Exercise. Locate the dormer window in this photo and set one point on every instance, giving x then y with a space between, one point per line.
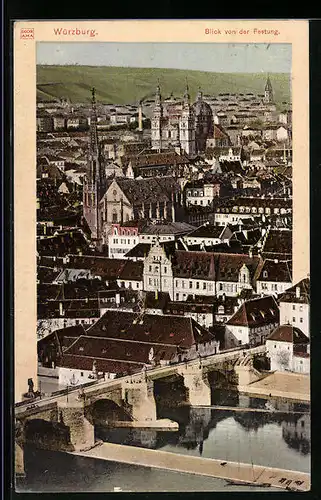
265 274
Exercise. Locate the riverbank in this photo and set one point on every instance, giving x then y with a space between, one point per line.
292 386
239 472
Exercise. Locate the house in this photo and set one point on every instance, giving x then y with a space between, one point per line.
295 306
219 138
277 244
254 320
76 122
275 277
44 121
182 273
288 349
208 235
123 343
123 238
59 121
201 192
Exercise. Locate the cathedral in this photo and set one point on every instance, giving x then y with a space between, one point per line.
181 125
111 200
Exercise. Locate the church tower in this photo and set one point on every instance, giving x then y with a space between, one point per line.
187 126
94 180
268 92
157 121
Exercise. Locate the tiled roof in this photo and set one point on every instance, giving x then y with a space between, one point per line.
274 270
110 269
300 293
278 242
148 190
172 330
173 228
100 348
256 312
288 333
206 231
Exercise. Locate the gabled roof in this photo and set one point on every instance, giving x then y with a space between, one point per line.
299 293
148 190
256 312
277 271
172 330
288 333
206 231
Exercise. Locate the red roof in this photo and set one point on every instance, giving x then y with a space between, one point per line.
288 333
256 312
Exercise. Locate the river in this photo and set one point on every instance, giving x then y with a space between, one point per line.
272 439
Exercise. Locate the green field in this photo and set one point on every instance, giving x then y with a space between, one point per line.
129 85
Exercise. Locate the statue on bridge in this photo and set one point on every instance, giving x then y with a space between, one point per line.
31 393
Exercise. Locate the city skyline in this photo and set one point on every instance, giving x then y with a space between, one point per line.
228 57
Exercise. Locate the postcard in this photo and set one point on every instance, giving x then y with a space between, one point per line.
162 286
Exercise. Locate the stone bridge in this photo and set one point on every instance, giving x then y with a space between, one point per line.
134 394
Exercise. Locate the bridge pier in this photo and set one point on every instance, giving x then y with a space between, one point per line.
19 462
139 395
199 391
72 415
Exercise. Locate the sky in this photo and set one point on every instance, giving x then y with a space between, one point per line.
216 57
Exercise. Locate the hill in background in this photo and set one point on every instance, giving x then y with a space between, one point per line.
119 85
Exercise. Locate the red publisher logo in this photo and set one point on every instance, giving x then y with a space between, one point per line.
27 33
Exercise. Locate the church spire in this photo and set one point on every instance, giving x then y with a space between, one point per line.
186 94
268 91
93 145
199 94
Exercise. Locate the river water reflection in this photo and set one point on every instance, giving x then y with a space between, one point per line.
272 439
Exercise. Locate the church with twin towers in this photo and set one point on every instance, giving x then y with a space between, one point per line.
181 125
184 126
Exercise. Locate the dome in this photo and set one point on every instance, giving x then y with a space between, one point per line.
201 108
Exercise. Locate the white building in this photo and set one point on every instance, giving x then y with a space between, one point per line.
287 348
275 277
202 193
295 306
253 321
208 235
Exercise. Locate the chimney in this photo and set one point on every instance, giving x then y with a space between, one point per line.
297 292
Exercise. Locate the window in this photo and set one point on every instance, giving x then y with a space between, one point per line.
177 296
165 270
197 284
150 269
274 346
149 281
191 284
204 286
81 374
301 320
293 307
293 319
301 308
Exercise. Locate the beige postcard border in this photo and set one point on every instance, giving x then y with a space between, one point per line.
294 32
